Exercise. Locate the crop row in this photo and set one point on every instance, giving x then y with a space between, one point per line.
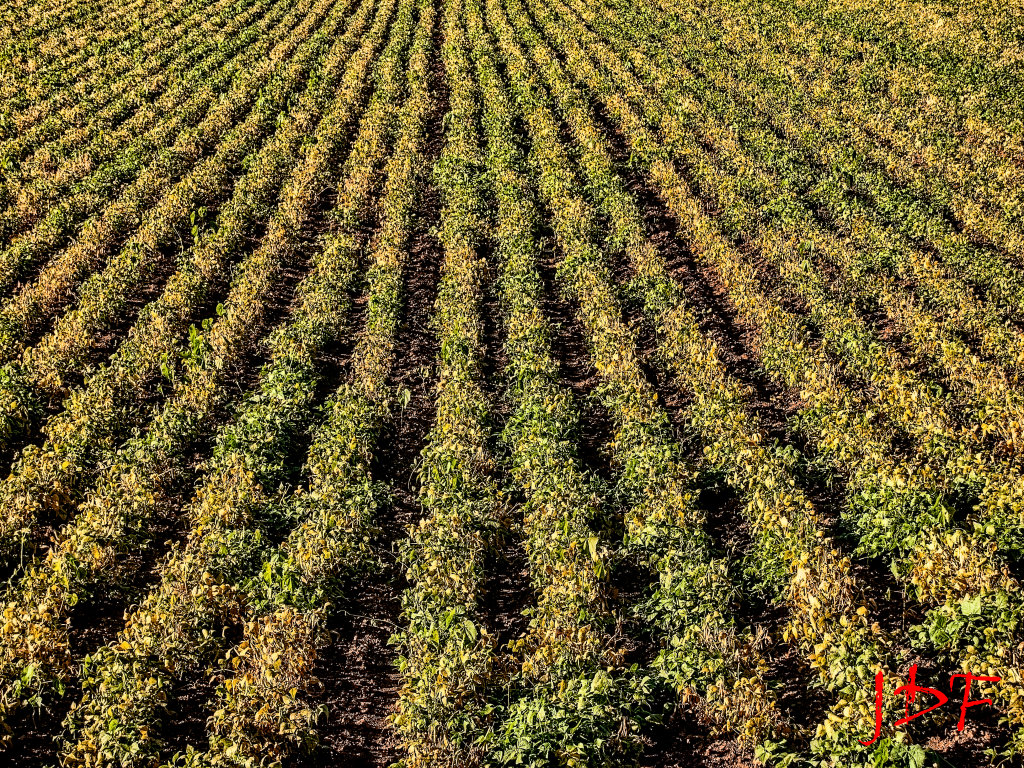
30 50
97 94
31 499
135 488
971 598
46 52
61 221
108 403
791 554
703 652
932 333
966 468
239 507
844 160
973 181
900 105
194 195
161 200
713 114
261 711
68 179
568 695
202 182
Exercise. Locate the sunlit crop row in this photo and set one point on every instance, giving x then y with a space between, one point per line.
133 490
723 379
896 506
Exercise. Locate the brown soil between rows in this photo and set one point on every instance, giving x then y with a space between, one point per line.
359 671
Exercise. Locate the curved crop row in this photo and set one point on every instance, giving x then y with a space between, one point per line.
893 504
65 181
891 112
996 403
969 64
47 478
207 181
975 181
688 609
560 677
236 509
894 114
116 516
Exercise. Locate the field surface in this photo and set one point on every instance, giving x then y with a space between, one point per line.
511 383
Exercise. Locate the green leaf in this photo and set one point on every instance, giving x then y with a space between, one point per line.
971 606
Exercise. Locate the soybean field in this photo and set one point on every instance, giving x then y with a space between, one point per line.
482 383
